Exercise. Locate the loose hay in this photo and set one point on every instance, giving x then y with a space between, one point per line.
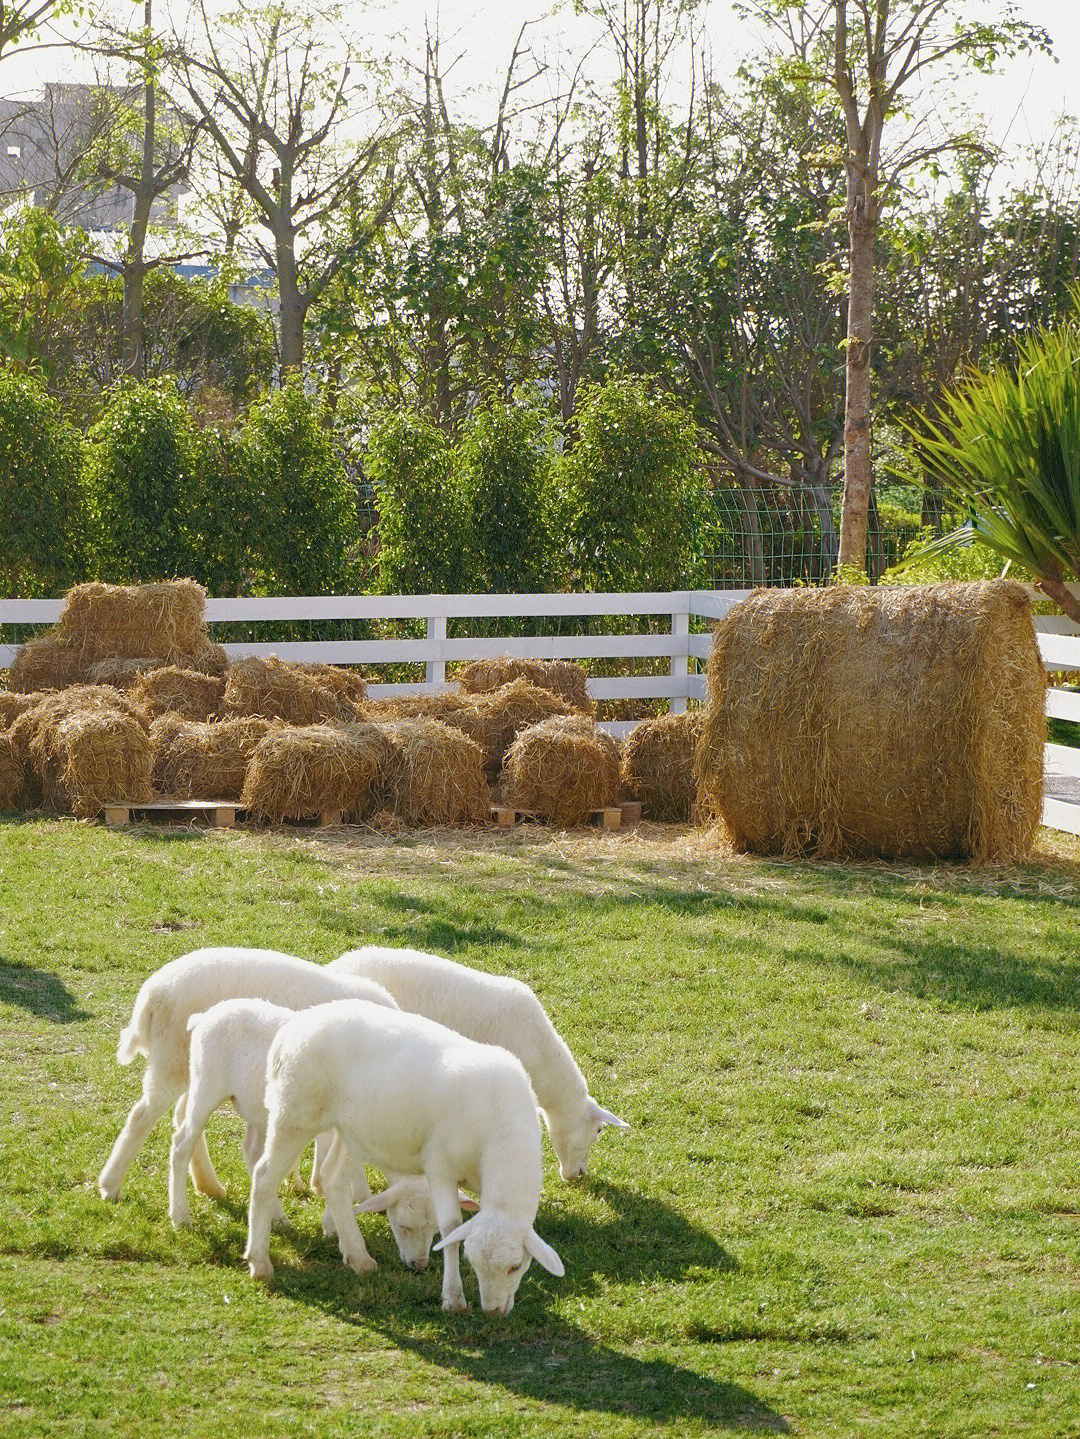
197 760
124 674
12 777
435 775
90 757
658 765
108 621
298 772
47 663
562 769
902 722
565 678
273 689
172 690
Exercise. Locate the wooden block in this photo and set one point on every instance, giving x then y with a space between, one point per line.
503 817
117 814
331 817
631 811
611 818
225 816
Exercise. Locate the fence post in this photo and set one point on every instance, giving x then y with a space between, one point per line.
680 662
436 669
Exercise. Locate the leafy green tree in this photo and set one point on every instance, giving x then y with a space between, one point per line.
40 269
423 530
41 497
304 523
631 491
504 465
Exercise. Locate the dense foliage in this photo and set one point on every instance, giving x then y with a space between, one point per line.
422 530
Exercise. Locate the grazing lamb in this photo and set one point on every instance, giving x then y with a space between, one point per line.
158 1029
415 1098
229 1045
495 1009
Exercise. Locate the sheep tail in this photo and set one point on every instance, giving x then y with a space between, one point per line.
135 1038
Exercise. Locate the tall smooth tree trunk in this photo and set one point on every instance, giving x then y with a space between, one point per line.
134 270
858 475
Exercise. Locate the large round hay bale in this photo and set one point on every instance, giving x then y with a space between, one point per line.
47 663
12 776
435 775
497 717
90 757
273 689
658 765
298 772
562 769
172 690
162 620
197 760
901 722
565 678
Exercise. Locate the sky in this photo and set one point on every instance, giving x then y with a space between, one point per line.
1022 103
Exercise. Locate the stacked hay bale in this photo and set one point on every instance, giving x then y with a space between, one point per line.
195 759
658 765
299 772
273 689
79 747
115 632
901 722
565 678
435 775
184 693
562 769
12 776
497 717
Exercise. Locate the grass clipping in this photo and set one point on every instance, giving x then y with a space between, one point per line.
299 772
901 722
658 765
562 769
196 760
274 689
565 678
435 775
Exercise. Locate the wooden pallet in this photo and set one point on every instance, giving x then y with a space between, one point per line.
612 817
221 813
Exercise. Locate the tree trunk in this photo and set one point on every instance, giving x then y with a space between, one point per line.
134 271
858 477
291 307
1062 596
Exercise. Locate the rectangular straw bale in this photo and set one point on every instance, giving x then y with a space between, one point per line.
90 757
497 717
658 765
164 620
55 706
904 722
562 769
435 775
198 760
12 776
565 678
14 705
274 689
344 682
123 673
47 663
187 693
297 772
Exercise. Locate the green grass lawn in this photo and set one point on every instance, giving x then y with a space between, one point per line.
849 1204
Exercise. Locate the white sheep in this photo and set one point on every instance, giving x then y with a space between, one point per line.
495 1009
158 1029
229 1045
414 1098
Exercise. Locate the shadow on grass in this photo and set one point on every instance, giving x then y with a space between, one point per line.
39 992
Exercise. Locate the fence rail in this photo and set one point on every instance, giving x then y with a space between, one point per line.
676 643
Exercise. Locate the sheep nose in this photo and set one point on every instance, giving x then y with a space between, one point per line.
418 1264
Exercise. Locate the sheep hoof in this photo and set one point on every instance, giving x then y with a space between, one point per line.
455 1304
261 1269
108 1190
181 1219
329 1228
360 1263
212 1189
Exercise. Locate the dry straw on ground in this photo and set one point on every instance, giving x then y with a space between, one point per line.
298 772
90 757
274 689
658 765
562 769
197 760
563 677
435 775
12 778
172 690
901 722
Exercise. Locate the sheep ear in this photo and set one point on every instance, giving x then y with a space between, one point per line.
456 1235
606 1116
376 1203
543 1254
467 1202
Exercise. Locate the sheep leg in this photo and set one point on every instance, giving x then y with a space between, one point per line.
444 1196
283 1148
327 1159
145 1113
254 1143
337 1186
193 1109
202 1171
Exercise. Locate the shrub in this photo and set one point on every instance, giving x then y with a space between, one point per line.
632 491
423 531
505 469
304 515
41 495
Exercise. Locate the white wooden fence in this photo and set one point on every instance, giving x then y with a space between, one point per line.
679 642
